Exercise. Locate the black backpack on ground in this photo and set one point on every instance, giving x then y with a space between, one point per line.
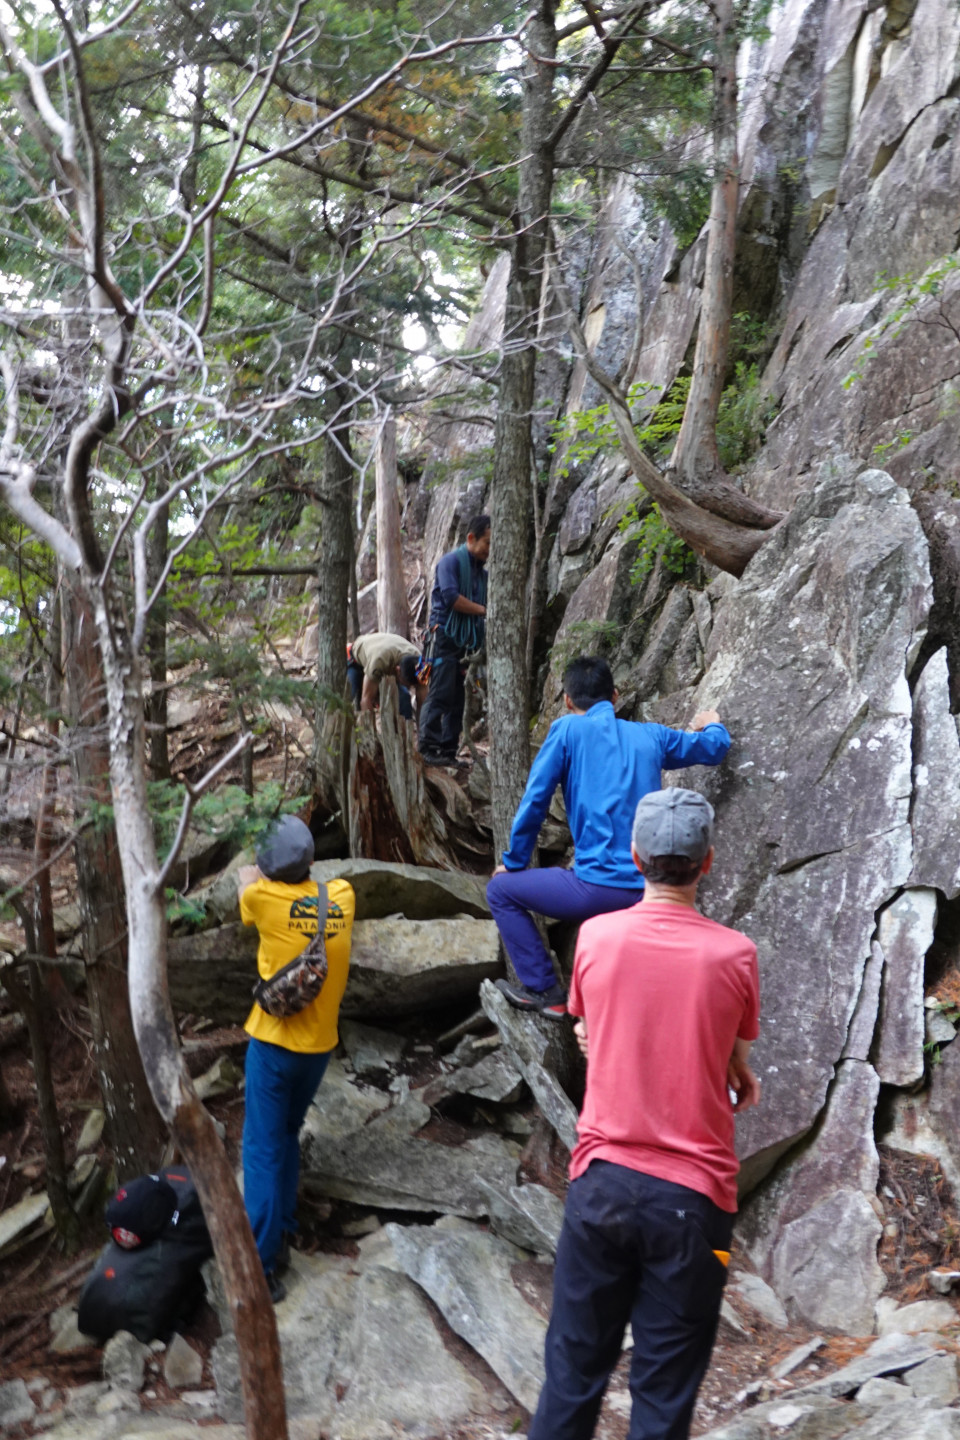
153 1289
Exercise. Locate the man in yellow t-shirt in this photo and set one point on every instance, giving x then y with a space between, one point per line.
286 1059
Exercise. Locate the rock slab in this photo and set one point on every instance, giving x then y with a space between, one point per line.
808 664
466 1273
528 1044
362 1355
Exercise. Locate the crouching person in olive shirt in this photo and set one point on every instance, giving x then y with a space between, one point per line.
286 1058
669 1004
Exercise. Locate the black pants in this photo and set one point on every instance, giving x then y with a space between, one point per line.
442 716
640 1249
355 678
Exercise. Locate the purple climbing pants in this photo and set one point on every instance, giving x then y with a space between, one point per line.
556 893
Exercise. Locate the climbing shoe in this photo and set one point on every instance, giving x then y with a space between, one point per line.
551 1003
283 1251
278 1291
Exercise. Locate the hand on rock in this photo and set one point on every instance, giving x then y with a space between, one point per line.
703 718
744 1084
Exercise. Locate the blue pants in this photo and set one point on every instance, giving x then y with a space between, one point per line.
635 1248
554 892
280 1085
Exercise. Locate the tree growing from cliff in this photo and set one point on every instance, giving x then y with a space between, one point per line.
696 497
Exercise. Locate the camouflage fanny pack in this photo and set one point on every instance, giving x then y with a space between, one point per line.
294 987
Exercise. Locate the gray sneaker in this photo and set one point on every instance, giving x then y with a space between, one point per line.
551 1003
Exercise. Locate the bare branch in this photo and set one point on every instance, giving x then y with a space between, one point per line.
190 799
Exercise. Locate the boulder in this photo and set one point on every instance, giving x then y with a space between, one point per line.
182 1365
922 1317
936 1380
544 1212
808 664
752 1291
815 1417
362 1356
397 967
490 1078
370 1050
889 1355
466 1273
418 892
124 1361
528 1043
402 967
812 1230
905 934
384 1162
825 1264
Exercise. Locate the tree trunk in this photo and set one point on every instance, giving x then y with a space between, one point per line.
248 1299
336 557
511 504
695 461
135 1131
392 614
29 995
156 646
46 937
722 542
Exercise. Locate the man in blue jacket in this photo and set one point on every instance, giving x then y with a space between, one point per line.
604 767
458 608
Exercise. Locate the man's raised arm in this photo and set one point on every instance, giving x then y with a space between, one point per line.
706 743
545 774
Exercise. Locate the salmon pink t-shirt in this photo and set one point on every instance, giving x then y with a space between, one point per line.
665 993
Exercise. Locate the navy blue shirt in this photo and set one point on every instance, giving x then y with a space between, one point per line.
446 586
604 766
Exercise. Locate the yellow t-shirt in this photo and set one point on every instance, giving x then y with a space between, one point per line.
286 918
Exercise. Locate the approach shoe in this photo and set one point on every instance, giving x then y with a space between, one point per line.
278 1291
437 757
550 1003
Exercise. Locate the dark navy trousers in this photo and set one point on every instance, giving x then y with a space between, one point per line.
280 1086
441 718
635 1248
557 893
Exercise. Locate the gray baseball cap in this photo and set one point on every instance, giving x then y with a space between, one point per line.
673 822
286 851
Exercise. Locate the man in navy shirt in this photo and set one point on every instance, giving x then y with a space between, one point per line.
458 608
604 767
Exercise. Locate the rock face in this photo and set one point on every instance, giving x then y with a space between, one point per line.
361 1355
812 1231
351 1152
905 935
466 1273
527 1042
808 663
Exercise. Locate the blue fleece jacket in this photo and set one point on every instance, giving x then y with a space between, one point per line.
604 767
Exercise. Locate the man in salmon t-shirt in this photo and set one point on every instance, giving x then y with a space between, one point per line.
669 1005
